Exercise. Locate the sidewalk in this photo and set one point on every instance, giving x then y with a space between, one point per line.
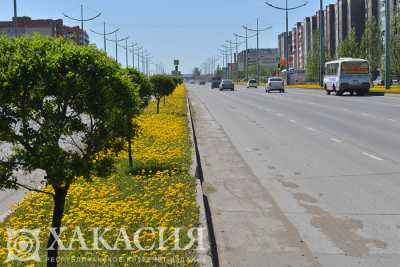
250 230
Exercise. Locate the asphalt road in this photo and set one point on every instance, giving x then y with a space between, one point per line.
9 198
331 165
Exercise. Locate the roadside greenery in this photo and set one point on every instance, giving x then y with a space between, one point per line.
163 86
72 112
371 47
161 194
313 60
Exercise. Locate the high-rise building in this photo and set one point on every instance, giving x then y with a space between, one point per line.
45 27
300 45
330 31
341 21
269 58
356 17
294 48
307 37
282 46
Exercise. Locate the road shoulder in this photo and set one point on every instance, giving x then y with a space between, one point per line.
250 229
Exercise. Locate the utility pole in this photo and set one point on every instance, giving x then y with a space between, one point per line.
15 19
257 30
287 9
235 58
117 41
246 61
387 45
228 60
104 34
224 55
82 20
138 58
133 45
321 44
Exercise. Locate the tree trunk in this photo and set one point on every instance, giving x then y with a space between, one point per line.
158 105
164 100
58 212
130 152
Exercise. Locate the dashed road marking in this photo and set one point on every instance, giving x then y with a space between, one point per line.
372 156
336 140
292 121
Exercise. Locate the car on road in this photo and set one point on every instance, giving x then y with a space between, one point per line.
275 84
252 83
202 83
192 82
215 82
347 75
227 85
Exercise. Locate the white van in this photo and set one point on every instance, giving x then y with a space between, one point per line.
347 75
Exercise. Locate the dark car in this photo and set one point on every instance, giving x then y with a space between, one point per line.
202 83
215 82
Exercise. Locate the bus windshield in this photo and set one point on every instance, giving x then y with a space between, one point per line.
355 68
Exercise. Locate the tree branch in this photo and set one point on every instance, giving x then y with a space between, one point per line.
33 189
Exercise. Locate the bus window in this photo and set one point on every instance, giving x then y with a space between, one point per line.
355 68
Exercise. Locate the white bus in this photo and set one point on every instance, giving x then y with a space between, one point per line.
347 75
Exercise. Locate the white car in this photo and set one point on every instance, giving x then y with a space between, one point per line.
275 84
252 84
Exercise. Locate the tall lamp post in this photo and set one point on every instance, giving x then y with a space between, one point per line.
257 30
104 34
15 19
387 44
321 44
82 20
287 9
246 61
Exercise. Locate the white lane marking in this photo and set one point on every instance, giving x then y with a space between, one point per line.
292 121
392 120
279 114
336 140
372 156
365 114
311 129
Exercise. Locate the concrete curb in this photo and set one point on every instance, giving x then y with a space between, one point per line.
204 256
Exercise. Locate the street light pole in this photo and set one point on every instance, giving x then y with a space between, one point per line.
82 20
15 19
387 44
104 34
287 9
258 45
322 43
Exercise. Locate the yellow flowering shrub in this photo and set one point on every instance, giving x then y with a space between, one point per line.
164 197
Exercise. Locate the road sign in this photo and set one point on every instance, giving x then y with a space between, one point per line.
176 62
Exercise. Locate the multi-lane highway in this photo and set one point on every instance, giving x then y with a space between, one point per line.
326 171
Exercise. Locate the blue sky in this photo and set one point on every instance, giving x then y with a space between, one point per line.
188 30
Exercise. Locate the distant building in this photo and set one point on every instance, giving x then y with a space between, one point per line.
307 38
356 17
341 21
269 58
330 31
45 27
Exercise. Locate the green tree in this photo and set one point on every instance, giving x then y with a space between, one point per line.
395 46
163 85
349 47
313 60
143 83
60 108
371 47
